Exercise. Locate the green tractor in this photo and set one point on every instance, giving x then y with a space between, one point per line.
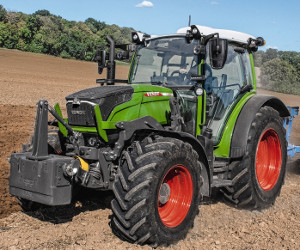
189 121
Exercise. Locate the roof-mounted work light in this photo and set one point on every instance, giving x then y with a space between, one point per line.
193 33
138 37
254 43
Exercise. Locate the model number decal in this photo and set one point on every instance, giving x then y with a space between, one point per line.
78 112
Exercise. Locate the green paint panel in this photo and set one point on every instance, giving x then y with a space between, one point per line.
199 115
157 109
141 105
253 70
223 148
108 125
61 127
99 120
85 129
127 111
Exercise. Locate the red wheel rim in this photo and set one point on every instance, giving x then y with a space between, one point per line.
180 189
268 159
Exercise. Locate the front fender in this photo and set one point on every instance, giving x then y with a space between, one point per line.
147 125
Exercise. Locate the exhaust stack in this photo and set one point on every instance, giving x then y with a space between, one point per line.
111 64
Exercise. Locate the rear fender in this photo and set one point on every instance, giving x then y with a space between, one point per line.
245 118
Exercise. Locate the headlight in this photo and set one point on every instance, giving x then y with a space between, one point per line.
92 141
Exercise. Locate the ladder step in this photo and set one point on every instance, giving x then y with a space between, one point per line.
220 166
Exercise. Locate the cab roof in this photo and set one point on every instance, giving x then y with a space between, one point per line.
230 35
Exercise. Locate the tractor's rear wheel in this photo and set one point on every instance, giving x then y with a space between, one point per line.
157 192
258 177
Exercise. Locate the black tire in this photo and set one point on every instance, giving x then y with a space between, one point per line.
252 188
138 196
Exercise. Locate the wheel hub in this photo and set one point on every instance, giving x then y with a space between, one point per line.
175 196
164 193
268 160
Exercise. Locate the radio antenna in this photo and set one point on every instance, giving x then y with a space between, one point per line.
190 20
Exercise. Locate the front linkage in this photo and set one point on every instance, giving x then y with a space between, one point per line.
47 178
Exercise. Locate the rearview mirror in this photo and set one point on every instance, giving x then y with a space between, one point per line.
218 52
101 59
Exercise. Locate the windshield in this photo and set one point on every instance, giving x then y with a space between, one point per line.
167 60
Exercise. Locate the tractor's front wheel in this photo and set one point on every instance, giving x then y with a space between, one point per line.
157 192
257 179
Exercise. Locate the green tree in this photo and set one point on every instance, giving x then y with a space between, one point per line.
95 25
258 58
9 35
280 76
33 23
42 13
269 55
3 14
293 58
43 32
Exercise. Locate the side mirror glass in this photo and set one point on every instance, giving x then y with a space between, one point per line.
101 59
218 52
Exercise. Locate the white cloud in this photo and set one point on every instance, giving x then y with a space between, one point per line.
146 4
214 3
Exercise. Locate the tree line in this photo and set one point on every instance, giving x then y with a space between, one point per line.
43 32
280 70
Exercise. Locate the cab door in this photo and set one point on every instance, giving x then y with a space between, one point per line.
223 88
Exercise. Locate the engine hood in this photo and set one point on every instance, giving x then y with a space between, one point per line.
95 94
80 104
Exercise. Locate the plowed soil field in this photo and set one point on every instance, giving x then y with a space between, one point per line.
24 79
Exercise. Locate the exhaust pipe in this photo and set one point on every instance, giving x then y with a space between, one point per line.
111 64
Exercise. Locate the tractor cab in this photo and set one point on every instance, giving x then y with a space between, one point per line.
208 84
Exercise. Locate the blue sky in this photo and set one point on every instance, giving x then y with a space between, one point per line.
277 21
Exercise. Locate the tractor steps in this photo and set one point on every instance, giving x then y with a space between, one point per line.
220 172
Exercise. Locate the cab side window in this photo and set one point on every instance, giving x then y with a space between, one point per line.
248 68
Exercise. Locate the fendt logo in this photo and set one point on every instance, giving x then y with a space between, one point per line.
151 94
78 112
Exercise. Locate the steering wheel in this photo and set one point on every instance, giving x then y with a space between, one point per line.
175 72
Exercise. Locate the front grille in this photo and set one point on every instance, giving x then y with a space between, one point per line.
81 114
